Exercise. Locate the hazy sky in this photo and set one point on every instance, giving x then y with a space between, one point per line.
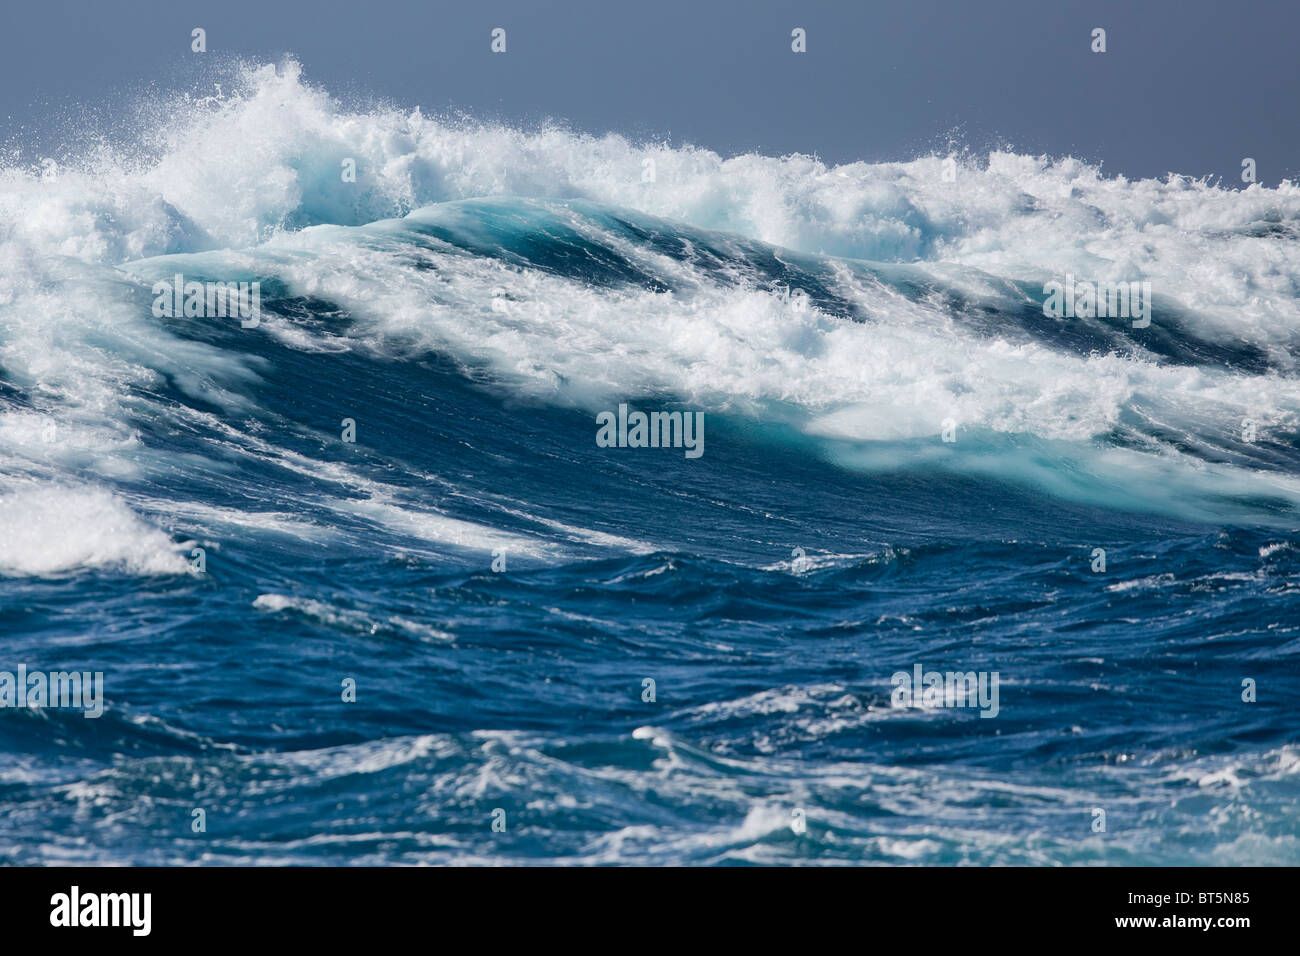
1191 86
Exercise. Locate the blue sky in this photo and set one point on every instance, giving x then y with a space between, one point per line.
1191 86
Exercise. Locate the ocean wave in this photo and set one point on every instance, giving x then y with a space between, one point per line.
545 257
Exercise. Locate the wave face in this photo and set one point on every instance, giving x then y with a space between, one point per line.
471 303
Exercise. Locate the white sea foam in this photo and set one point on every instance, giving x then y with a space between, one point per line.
348 618
50 530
